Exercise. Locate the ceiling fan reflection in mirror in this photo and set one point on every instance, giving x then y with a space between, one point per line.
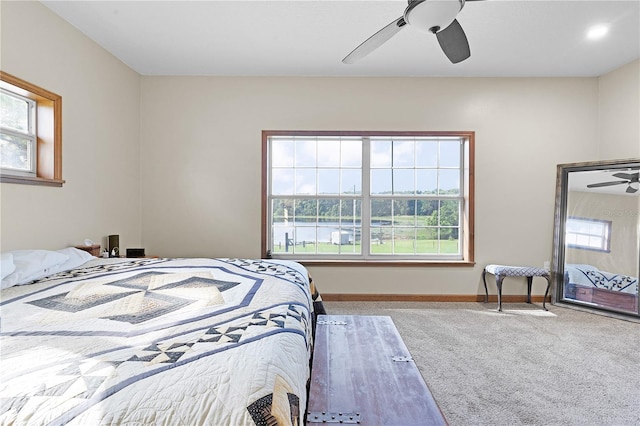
434 16
630 179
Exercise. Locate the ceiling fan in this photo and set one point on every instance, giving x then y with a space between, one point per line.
629 179
434 16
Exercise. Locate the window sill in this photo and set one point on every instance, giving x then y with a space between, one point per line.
28 180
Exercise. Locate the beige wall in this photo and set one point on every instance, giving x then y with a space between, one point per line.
619 113
100 136
201 160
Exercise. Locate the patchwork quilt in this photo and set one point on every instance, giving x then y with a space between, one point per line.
158 342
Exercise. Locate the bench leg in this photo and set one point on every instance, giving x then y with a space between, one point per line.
499 285
486 292
544 301
529 282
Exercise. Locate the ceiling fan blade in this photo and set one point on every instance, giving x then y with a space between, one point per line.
453 42
628 176
598 185
375 41
631 190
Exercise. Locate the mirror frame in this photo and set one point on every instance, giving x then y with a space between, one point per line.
558 257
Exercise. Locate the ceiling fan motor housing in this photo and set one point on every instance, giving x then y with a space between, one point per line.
432 15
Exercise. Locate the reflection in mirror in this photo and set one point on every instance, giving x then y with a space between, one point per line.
597 235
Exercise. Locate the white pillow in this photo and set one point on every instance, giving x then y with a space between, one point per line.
7 266
76 256
31 265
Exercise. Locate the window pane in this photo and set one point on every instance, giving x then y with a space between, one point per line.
328 153
351 153
425 212
282 153
329 212
403 154
14 113
403 181
282 182
306 181
427 241
426 181
282 224
404 212
306 211
16 152
450 154
404 241
381 240
426 154
449 241
380 153
328 181
351 213
305 153
351 181
381 181
449 213
449 181
352 244
380 212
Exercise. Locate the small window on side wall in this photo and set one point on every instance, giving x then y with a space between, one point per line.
30 133
588 234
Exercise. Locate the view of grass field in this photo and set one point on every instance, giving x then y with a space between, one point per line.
397 246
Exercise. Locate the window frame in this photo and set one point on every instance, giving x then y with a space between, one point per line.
48 132
466 214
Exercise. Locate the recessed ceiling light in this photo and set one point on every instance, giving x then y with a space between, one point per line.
597 32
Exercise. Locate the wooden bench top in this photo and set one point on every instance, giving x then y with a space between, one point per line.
363 373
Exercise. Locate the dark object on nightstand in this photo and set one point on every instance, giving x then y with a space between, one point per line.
135 252
113 245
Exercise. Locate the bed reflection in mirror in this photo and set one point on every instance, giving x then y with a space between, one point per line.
596 246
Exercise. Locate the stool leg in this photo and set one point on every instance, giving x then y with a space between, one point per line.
499 285
544 301
529 282
486 292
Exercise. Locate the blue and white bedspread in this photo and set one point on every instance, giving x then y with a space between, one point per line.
590 276
158 341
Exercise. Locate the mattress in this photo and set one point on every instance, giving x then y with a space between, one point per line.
158 341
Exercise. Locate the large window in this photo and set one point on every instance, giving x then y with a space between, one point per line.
30 133
368 196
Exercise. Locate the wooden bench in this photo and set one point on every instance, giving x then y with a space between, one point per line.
363 373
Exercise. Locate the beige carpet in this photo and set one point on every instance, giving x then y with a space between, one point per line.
524 366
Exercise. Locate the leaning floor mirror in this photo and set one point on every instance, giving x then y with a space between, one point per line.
596 250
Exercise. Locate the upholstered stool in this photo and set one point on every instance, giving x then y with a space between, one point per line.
501 271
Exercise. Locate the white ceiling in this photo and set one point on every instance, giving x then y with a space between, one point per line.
515 38
578 181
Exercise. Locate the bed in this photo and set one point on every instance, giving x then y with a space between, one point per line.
157 341
586 283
